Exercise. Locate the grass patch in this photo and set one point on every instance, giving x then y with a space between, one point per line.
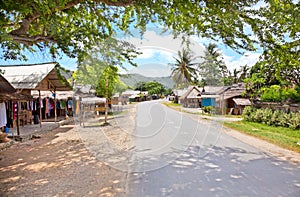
171 104
233 116
284 137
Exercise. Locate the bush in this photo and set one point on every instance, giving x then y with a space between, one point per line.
258 117
295 121
208 109
275 117
272 118
248 113
267 116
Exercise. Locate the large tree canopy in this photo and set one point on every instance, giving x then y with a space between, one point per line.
73 26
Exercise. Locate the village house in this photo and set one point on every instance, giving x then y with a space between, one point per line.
223 97
191 98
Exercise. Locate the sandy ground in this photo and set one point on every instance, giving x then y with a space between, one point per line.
61 162
57 164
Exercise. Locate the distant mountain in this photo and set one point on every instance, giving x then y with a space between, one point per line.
132 79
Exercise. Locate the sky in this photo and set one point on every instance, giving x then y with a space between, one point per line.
162 50
158 53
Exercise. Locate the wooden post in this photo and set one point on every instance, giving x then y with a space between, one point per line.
18 119
40 100
55 112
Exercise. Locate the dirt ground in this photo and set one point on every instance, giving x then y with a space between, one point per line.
57 164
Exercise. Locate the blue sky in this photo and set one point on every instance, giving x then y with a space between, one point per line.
158 51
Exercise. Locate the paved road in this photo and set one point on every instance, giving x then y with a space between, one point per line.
177 156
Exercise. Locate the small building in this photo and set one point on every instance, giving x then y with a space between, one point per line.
209 100
239 105
178 93
40 77
129 96
191 98
234 101
213 96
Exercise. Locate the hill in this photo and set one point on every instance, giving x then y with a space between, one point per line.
132 79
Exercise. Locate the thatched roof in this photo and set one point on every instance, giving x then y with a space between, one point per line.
46 76
8 92
5 86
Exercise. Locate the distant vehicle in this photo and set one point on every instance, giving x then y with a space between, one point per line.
171 98
154 96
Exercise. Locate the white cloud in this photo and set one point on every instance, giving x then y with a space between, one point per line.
159 50
147 53
247 59
163 44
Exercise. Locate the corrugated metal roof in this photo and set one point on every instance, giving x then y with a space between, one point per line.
59 95
131 92
35 77
242 101
210 90
192 92
180 92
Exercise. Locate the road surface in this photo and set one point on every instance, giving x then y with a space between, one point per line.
175 155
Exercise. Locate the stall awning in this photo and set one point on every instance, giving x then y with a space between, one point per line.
5 86
92 100
242 101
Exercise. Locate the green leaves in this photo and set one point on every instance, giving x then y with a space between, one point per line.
212 70
154 87
184 71
75 26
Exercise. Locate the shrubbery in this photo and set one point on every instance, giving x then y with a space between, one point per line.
212 110
208 109
276 93
272 118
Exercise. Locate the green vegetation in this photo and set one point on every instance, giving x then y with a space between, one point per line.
154 87
208 109
272 118
213 69
75 27
171 104
276 93
107 82
281 136
184 71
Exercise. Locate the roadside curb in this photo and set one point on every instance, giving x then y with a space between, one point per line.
266 147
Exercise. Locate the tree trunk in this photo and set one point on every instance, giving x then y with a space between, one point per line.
106 101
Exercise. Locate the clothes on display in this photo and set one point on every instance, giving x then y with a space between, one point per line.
3 118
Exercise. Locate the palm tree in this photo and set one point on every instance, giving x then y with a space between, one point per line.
213 70
244 72
184 71
235 75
